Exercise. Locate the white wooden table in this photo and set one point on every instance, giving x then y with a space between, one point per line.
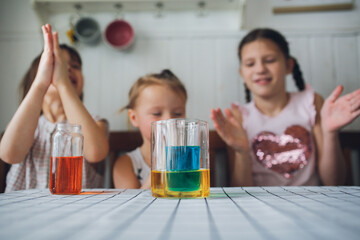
228 213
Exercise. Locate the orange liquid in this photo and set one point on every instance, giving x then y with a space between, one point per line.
160 187
66 178
158 183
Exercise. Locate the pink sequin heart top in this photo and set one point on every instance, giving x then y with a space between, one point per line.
284 154
283 151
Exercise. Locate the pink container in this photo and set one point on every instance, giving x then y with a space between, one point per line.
119 34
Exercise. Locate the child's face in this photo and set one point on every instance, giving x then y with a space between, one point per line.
75 73
75 76
155 103
264 68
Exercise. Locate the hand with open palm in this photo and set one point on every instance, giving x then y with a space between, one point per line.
229 128
46 64
337 111
61 75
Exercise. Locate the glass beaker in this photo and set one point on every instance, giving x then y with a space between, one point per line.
66 162
180 158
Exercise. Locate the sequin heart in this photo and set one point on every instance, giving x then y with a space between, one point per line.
283 154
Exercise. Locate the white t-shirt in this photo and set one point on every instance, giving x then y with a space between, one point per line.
141 169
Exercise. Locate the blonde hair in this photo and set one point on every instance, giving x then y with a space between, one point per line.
165 78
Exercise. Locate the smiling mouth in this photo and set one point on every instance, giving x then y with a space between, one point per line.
263 81
73 81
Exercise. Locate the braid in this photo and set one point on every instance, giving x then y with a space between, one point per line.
247 93
297 75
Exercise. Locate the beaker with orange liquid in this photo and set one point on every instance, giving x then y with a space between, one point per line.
66 161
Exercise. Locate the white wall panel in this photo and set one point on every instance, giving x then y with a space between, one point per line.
228 84
299 46
180 57
354 75
259 13
201 89
346 63
208 66
15 58
91 69
17 16
323 70
202 56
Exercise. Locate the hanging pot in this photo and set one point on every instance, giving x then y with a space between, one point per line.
87 30
119 34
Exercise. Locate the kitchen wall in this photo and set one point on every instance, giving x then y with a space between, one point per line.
258 13
201 50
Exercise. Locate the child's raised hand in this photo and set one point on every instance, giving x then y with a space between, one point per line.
230 128
337 111
46 64
61 74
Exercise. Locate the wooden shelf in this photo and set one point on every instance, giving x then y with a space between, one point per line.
280 6
46 8
57 6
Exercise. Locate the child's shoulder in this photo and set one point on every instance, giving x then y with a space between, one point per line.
307 96
123 172
310 95
123 160
318 101
122 167
102 122
310 101
129 158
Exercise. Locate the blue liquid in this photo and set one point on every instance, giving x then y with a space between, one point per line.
182 165
182 158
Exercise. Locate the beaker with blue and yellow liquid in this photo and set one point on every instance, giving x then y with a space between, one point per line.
180 158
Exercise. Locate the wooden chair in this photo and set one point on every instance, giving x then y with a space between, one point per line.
350 144
121 142
124 141
4 168
221 160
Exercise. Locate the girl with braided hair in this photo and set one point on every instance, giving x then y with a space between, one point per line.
280 137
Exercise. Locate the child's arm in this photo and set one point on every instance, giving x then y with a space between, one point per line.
96 145
123 173
231 131
147 183
335 113
19 134
241 173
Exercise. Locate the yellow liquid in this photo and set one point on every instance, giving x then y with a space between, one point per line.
160 188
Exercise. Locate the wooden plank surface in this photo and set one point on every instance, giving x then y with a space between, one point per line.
228 213
315 8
